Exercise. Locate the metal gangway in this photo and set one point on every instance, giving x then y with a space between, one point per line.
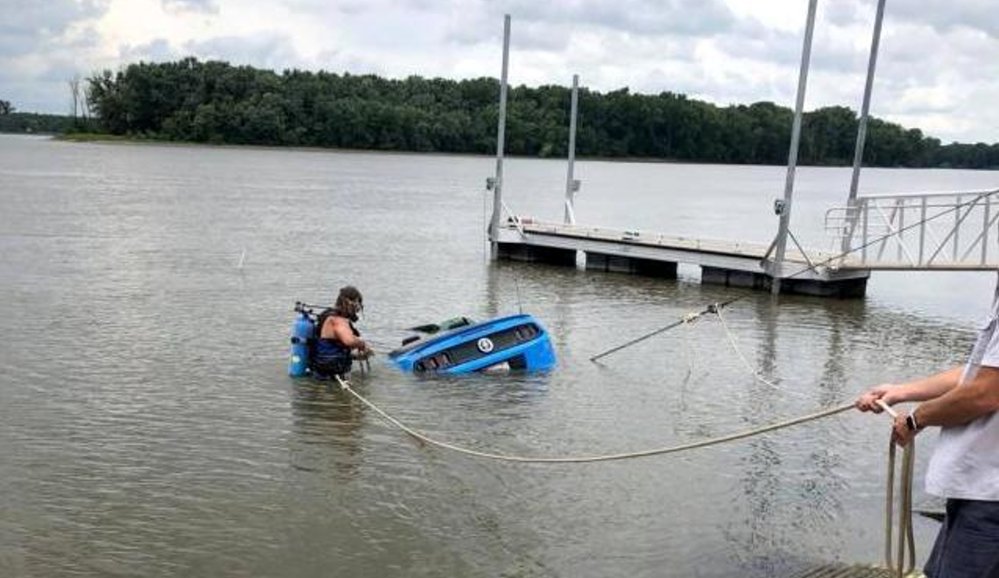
938 231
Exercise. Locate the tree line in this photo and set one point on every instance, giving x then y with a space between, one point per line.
216 102
29 122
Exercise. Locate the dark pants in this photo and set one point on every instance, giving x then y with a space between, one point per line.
968 543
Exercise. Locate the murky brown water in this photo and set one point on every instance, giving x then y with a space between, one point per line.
147 426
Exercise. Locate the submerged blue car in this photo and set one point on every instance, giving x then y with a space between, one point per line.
462 346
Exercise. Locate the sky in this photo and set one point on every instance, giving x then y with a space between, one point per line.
938 67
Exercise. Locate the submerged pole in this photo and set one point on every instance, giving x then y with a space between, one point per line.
858 153
500 144
784 208
571 185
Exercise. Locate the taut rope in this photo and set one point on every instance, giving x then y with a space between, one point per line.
688 318
345 385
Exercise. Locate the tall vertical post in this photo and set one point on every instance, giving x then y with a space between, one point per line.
570 183
784 208
858 153
500 145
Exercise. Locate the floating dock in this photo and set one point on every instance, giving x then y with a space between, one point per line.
733 264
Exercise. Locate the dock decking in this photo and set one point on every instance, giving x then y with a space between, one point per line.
729 263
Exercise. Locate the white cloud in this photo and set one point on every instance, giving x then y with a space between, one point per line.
948 15
935 71
205 6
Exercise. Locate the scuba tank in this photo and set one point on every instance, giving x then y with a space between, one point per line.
302 330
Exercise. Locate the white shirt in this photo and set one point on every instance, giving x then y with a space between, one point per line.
965 464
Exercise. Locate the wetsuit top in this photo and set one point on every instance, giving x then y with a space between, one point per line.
331 356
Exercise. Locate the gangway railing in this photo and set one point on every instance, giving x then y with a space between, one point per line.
920 231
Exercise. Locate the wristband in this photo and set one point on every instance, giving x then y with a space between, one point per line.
910 421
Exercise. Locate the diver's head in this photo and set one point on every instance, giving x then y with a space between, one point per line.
349 302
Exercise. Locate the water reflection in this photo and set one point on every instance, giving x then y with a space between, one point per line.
761 476
792 482
494 280
327 423
193 472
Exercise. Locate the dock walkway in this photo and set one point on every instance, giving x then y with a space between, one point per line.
730 263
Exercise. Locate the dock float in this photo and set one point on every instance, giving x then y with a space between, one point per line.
729 263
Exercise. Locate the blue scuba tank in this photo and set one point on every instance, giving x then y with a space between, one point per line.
301 332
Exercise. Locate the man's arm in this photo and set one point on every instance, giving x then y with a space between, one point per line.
963 404
919 390
978 397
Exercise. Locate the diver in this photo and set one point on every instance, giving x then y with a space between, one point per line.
337 341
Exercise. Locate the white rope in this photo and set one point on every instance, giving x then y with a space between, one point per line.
745 362
687 318
688 351
905 559
513 218
597 458
905 553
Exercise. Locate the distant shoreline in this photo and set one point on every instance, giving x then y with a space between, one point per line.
190 101
99 138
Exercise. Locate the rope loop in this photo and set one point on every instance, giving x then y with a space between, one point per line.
905 550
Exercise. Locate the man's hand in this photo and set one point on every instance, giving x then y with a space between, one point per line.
869 400
901 433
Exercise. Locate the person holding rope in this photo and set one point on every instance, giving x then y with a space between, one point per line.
338 342
964 469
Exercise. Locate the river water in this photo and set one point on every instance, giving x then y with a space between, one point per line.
148 427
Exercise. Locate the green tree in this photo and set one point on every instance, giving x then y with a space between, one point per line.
216 102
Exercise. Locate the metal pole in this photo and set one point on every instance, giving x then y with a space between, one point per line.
858 153
500 144
570 184
792 155
985 229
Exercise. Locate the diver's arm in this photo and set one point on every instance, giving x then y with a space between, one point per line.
344 334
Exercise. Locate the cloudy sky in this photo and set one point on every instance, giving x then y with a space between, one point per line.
938 68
